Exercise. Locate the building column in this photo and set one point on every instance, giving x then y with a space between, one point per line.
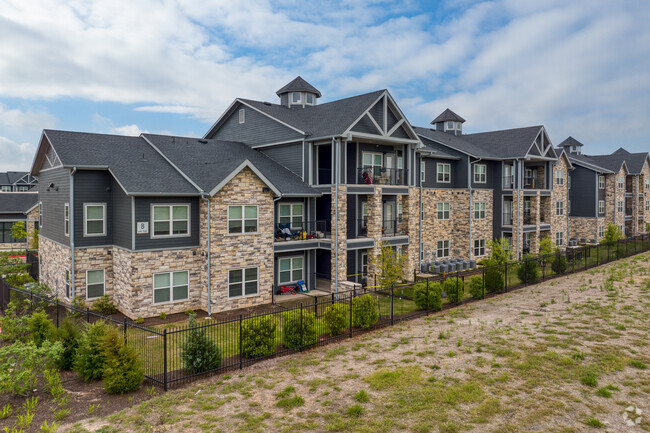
374 230
411 217
339 236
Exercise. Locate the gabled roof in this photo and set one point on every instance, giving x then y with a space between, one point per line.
455 142
634 161
17 202
11 177
298 84
448 115
613 163
586 162
570 141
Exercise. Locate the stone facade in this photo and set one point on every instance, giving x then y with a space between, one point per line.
482 227
455 229
340 242
55 259
89 259
32 219
560 194
410 221
614 194
584 227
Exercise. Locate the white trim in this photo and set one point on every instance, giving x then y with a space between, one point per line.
438 172
103 283
484 173
242 115
479 247
291 204
171 220
448 248
278 143
243 219
236 171
395 127
243 282
448 210
103 233
270 117
170 287
291 269
483 211
66 219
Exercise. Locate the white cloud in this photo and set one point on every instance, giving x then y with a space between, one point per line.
132 130
15 118
16 156
174 109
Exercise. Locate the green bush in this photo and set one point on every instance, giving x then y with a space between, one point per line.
476 286
198 352
528 271
41 328
90 360
559 264
365 311
18 279
258 336
454 288
434 301
69 335
23 364
14 323
104 305
291 328
337 318
494 280
79 306
122 372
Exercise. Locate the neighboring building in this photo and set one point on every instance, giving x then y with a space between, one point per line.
16 207
608 189
17 181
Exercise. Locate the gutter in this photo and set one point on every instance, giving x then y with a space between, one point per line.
73 291
207 201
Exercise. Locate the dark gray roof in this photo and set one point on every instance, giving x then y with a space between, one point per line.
209 162
585 161
448 115
570 141
17 202
453 141
298 84
507 143
635 161
610 162
11 177
323 120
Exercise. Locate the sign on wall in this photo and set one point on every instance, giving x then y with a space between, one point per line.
143 228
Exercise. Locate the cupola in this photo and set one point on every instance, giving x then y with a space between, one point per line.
298 94
448 121
571 145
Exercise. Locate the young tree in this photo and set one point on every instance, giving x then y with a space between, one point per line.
612 234
546 247
389 266
500 251
18 231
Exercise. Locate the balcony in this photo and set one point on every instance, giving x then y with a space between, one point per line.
508 182
529 219
303 230
533 183
393 228
362 227
381 176
507 218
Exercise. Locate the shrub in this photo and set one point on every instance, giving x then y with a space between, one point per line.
559 264
104 305
90 359
454 288
337 318
198 352
365 311
69 335
14 324
18 279
258 336
21 365
434 301
41 328
122 372
476 286
494 280
528 272
291 328
78 304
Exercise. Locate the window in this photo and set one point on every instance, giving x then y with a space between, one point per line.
94 284
242 219
40 214
647 184
601 182
170 220
242 282
400 212
601 207
290 269
295 97
94 219
422 171
310 98
421 250
480 173
574 148
66 219
559 208
364 214
647 205
443 211
291 213
479 247
443 249
242 115
6 188
620 206
5 232
444 172
23 188
364 263
67 284
479 210
601 231
170 287
450 125
620 182
559 238
421 211
559 177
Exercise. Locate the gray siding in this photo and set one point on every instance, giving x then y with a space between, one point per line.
490 168
122 224
53 203
458 178
365 125
583 192
143 213
288 155
92 186
377 112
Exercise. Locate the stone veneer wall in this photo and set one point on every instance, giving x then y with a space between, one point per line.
410 221
455 229
341 243
32 218
560 193
645 214
517 223
482 228
55 259
614 194
373 230
584 227
87 259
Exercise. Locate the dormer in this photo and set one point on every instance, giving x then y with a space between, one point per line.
571 145
298 94
448 121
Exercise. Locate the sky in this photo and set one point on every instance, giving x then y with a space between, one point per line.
580 68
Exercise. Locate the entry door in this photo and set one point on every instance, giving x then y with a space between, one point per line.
389 219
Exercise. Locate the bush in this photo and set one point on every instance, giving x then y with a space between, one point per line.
41 328
104 305
69 335
258 336
365 311
14 324
528 271
18 279
122 372
494 280
420 296
291 328
22 364
476 286
79 305
198 352
337 318
559 264
454 288
90 360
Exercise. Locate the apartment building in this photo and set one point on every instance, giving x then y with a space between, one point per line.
17 207
17 181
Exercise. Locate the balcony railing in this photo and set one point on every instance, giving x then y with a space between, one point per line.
529 219
393 228
303 230
362 227
533 183
508 182
324 176
507 218
381 176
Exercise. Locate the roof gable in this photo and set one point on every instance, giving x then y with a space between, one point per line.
448 115
385 119
298 84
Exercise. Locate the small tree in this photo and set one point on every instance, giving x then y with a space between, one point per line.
198 352
90 359
388 265
122 372
18 231
528 271
34 239
500 251
546 247
612 234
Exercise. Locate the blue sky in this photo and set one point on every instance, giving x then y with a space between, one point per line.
580 68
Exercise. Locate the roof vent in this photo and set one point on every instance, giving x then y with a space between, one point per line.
203 141
267 103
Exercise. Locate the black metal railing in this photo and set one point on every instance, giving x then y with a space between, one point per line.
381 176
393 228
529 219
508 182
324 176
362 227
533 183
303 230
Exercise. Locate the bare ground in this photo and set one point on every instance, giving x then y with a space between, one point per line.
567 355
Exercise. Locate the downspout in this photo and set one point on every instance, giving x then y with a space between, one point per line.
596 205
72 226
275 224
207 201
519 203
336 214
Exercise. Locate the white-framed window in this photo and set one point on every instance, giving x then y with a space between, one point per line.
442 249
364 263
450 125
67 283
647 205
443 210
601 231
291 213
622 229
647 184
423 171
620 206
601 182
621 182
6 188
310 99
364 214
400 211
171 287
290 269
559 208
170 220
480 173
421 211
23 188
243 282
479 247
66 219
40 215
559 177
559 238
94 219
242 115
296 98
421 250
479 210
443 170
95 283
242 219
601 207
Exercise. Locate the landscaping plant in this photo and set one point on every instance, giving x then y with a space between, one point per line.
22 364
104 305
559 264
258 336
198 352
41 328
528 272
476 286
90 359
291 328
69 335
365 311
454 288
14 323
434 301
337 318
122 371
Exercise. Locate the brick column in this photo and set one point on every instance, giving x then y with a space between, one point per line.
375 224
517 222
411 219
341 246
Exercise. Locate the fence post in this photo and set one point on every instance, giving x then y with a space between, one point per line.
351 315
483 270
427 296
301 329
165 359
585 255
57 311
597 254
626 242
315 306
392 297
241 355
505 286
87 314
544 260
31 300
124 322
457 288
